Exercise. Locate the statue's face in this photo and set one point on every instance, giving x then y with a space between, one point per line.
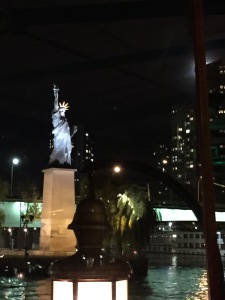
62 112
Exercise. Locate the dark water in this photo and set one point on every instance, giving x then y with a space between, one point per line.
172 277
169 277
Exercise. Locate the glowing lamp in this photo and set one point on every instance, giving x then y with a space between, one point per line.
117 169
15 161
90 273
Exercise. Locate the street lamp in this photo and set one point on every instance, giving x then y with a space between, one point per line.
11 241
26 219
15 161
117 169
90 273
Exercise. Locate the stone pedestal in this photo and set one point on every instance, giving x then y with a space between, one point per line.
58 210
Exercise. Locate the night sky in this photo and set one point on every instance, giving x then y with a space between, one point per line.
120 65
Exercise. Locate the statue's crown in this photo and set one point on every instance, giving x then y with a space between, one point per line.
64 105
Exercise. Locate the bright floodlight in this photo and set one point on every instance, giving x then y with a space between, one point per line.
117 169
15 161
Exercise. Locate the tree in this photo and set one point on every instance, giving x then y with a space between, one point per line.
4 190
33 199
2 216
132 218
130 214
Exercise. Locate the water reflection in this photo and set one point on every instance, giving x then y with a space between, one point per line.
171 283
169 277
202 288
18 289
172 277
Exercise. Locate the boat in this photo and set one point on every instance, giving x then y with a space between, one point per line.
182 242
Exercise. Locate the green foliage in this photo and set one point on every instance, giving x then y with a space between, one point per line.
130 214
129 211
132 219
33 199
4 191
33 209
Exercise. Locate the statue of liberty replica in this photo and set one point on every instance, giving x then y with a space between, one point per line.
62 146
58 188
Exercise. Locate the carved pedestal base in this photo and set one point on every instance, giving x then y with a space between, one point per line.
58 210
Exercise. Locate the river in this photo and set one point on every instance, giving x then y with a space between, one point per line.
180 277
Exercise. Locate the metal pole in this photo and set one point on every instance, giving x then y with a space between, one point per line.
207 196
148 190
26 253
11 180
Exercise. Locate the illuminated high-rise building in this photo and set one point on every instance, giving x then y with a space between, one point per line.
183 144
216 77
82 154
160 193
184 152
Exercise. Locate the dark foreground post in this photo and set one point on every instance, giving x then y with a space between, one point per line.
207 197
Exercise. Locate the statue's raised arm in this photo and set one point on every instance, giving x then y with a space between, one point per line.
61 131
56 94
